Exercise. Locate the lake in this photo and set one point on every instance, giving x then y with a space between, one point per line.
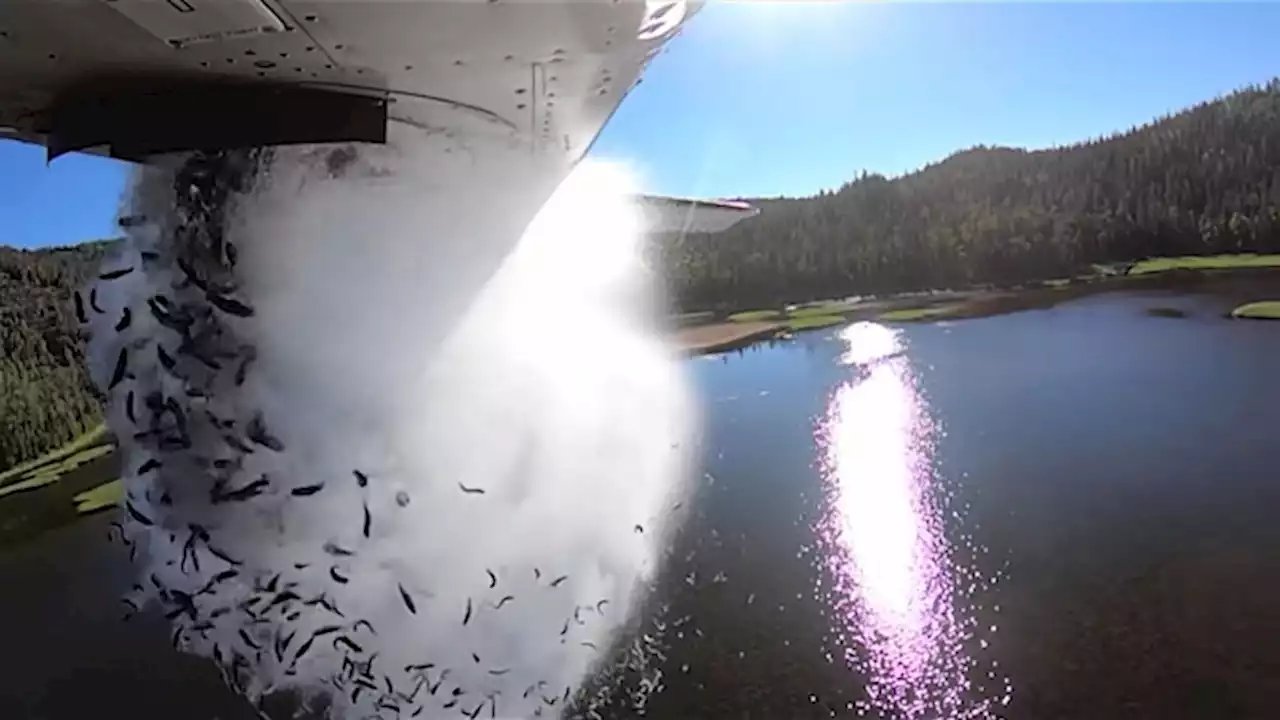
1059 513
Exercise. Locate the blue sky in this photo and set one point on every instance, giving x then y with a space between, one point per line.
787 98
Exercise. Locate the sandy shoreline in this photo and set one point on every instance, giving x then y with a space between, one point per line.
720 336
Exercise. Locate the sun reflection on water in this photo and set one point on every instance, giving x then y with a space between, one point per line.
898 602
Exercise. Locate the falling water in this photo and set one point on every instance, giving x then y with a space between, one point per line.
406 464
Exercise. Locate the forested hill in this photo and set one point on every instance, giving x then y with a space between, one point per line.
1204 180
45 396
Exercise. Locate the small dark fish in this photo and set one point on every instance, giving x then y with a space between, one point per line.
368 521
148 466
165 358
79 300
356 626
126 318
122 364
337 550
471 490
344 640
138 516
402 498
333 573
293 615
505 599
257 432
93 301
537 574
222 555
423 666
408 601
587 643
274 583
476 658
564 630
600 606
176 640
361 479
243 370
301 566
557 581
113 274
284 597
503 671
493 579
639 528
303 648
566 693
467 617
367 685
307 490
229 305
326 630
450 704
128 408
250 490
476 713
248 640
191 275
324 602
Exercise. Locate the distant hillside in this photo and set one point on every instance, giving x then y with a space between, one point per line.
45 396
1204 180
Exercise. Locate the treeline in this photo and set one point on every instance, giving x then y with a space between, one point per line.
1204 180
46 398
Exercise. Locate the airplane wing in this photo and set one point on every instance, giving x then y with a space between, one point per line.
664 214
135 78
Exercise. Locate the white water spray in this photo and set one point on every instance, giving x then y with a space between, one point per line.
522 428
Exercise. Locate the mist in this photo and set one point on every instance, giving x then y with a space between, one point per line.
414 458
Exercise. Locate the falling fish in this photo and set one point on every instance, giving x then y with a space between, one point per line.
306 490
113 274
122 365
79 302
408 601
229 305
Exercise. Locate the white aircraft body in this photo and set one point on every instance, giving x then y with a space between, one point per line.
136 78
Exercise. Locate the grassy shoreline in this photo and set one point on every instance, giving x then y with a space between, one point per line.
718 332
